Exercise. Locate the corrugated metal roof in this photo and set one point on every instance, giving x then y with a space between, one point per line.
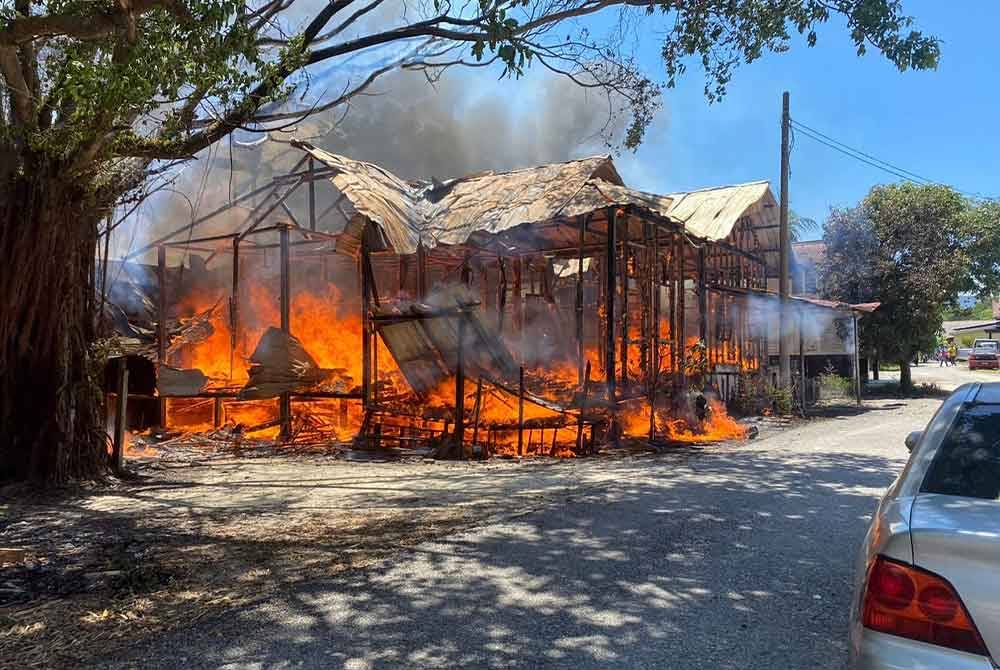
424 340
711 213
491 203
450 212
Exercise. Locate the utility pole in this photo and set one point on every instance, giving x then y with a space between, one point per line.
784 322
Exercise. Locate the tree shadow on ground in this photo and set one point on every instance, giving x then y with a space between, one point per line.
730 560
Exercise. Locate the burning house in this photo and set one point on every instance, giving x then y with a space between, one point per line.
543 310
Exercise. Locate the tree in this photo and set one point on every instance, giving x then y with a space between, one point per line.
906 246
982 232
800 226
100 97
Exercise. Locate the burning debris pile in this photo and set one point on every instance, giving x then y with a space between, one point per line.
549 311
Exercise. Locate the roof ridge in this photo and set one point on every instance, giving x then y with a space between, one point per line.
498 173
719 188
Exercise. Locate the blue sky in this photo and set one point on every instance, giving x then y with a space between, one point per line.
940 124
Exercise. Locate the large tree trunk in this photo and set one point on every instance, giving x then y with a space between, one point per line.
905 380
50 404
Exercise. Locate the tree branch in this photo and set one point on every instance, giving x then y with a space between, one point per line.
27 28
20 94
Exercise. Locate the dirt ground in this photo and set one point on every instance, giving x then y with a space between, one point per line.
200 533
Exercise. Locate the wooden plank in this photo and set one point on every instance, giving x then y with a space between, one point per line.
121 414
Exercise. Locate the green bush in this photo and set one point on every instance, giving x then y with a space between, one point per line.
756 394
833 385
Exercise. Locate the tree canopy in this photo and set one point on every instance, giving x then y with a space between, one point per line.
102 98
162 79
913 248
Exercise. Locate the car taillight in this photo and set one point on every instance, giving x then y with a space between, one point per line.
913 603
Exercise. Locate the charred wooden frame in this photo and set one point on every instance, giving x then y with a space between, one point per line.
644 259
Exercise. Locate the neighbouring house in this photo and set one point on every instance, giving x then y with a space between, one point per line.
968 331
807 261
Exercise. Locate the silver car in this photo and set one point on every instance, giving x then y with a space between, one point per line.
928 579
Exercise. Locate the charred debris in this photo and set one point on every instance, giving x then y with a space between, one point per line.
544 311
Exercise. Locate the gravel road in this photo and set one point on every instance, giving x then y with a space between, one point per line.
727 557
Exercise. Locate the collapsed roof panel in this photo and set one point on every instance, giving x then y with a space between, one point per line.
506 208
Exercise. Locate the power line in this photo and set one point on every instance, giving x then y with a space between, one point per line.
912 175
857 157
874 161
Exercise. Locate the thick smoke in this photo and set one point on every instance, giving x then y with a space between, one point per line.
415 129
449 130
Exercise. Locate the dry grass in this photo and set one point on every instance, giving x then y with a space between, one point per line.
170 574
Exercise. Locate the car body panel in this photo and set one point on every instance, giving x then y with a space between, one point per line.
879 651
959 539
891 534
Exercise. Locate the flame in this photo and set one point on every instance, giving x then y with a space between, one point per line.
718 426
329 327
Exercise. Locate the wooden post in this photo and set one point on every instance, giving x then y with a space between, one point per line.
857 365
668 262
234 306
784 246
312 195
217 413
460 386
421 269
466 271
404 269
657 306
501 293
285 402
623 280
702 298
609 305
647 283
802 364
518 306
583 409
366 299
520 411
654 368
580 349
118 447
681 315
161 323
477 410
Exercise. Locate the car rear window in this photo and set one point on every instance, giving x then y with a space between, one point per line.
968 461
